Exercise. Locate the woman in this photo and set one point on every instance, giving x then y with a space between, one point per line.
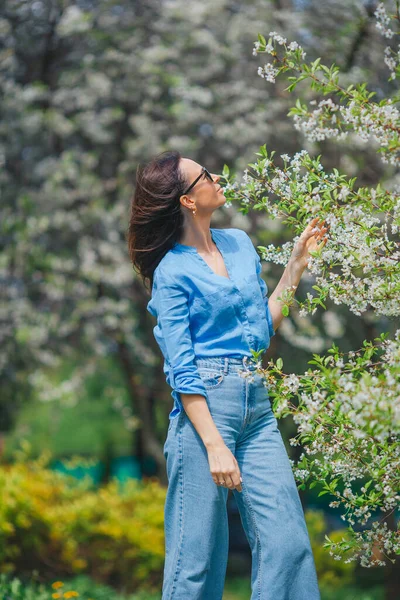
212 308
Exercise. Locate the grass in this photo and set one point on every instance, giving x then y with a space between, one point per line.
236 588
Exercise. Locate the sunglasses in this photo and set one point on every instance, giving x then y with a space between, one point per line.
205 172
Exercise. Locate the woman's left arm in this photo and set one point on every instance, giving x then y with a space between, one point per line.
310 239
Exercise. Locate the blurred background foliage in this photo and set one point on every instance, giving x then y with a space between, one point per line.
56 526
89 90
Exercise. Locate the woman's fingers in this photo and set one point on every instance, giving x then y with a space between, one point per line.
312 222
310 230
229 480
322 233
236 482
318 234
233 480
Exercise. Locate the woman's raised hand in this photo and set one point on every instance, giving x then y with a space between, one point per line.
314 237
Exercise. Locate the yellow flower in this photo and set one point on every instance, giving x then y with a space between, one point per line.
57 584
56 595
71 594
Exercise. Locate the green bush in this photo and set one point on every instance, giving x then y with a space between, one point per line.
60 527
84 588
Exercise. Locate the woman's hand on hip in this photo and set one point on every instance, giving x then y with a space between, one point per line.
224 467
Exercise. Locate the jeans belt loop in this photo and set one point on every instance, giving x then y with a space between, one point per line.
226 365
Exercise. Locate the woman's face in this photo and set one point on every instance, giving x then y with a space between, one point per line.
206 195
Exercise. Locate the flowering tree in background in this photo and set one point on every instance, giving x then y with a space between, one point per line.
86 96
348 406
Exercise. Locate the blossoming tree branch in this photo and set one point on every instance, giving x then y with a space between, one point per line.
346 405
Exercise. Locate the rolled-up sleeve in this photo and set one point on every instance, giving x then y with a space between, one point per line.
170 302
263 286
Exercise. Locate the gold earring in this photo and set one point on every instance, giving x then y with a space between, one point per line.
194 212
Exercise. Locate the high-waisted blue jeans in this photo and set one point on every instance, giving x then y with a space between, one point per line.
195 513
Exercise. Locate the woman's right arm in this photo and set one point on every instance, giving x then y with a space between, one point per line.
173 319
223 464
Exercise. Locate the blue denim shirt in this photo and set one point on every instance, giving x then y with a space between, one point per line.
201 314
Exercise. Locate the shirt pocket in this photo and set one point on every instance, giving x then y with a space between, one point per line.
213 314
253 288
252 293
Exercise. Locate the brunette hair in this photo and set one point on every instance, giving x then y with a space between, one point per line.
156 218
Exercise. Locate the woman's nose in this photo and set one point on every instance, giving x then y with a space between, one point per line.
216 177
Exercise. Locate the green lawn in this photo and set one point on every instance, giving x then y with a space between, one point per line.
235 589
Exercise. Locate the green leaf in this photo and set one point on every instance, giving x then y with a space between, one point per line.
261 39
290 88
315 64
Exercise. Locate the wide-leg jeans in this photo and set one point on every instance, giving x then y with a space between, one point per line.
195 512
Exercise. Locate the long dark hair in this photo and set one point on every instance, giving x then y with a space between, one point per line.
156 218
